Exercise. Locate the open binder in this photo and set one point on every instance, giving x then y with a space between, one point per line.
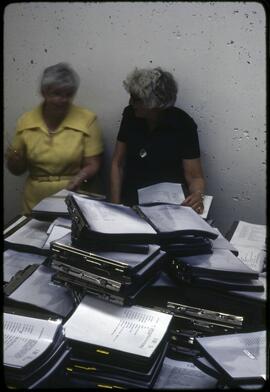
32 289
101 221
130 337
34 349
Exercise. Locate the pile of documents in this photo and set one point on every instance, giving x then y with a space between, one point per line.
237 360
120 346
34 350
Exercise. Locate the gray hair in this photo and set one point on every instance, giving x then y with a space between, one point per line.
155 87
61 75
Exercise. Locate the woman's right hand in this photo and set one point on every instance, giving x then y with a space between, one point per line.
16 162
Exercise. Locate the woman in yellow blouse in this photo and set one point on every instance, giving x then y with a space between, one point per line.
58 143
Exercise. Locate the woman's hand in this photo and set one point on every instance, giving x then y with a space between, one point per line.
16 162
195 201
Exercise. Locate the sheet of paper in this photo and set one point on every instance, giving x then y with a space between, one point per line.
15 261
164 192
33 233
207 201
254 258
249 234
134 329
221 242
183 375
56 233
60 222
111 218
169 218
39 290
26 338
14 224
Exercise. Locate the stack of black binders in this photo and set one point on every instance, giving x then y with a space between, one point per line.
115 276
113 346
114 251
221 270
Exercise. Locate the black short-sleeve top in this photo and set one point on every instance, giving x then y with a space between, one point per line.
156 156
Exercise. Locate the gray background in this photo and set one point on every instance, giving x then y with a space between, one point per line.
216 51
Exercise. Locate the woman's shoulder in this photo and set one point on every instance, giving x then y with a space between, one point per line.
177 113
29 119
83 114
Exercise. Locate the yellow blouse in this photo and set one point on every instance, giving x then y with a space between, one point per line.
53 158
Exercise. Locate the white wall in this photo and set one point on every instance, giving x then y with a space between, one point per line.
216 51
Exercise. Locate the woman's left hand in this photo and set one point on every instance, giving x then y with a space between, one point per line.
195 201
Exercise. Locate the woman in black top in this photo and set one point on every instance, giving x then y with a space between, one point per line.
157 142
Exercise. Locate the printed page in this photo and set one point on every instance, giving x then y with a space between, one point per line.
26 338
254 258
39 290
108 218
15 261
134 330
164 192
221 242
56 233
249 234
33 233
170 218
183 375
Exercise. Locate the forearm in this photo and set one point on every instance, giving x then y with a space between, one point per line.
196 185
116 180
88 171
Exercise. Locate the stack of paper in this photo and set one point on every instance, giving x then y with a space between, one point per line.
123 345
33 350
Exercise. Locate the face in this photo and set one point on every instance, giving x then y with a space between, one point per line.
138 106
57 97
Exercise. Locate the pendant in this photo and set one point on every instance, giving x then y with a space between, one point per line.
142 153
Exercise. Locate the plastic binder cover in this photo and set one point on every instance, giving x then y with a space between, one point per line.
220 264
121 264
240 357
129 337
33 288
30 235
31 348
255 285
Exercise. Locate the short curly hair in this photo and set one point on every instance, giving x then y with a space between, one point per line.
60 74
155 87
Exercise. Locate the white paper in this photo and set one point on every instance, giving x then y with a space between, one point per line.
254 258
207 201
26 338
14 224
15 261
183 375
164 192
134 329
56 233
33 233
249 234
111 218
60 222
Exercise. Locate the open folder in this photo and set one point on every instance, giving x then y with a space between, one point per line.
99 221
